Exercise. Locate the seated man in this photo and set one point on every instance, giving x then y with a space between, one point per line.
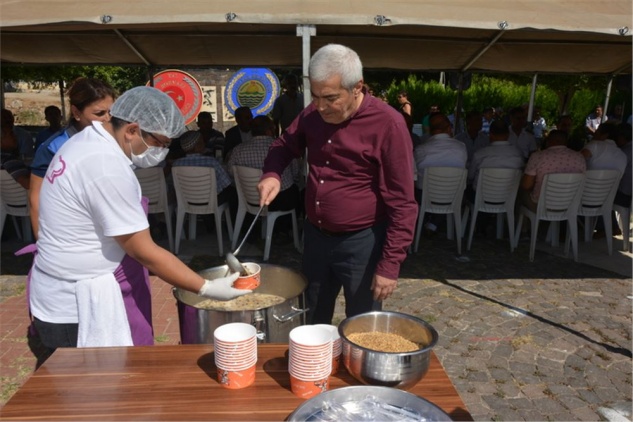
486 119
500 153
539 126
193 146
213 139
623 139
239 133
556 158
24 140
594 120
53 116
519 136
440 150
253 154
473 137
11 160
601 152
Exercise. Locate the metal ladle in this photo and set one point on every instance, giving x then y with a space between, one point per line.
234 264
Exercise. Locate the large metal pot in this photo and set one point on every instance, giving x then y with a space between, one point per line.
273 323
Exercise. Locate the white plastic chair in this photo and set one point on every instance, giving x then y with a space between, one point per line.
596 201
624 221
14 201
196 193
496 193
246 180
442 193
154 188
558 201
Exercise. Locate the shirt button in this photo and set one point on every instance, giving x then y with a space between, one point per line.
329 141
327 162
321 181
319 221
318 202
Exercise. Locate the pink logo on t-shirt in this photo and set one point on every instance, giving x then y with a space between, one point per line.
59 167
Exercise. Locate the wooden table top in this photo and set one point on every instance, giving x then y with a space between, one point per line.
179 383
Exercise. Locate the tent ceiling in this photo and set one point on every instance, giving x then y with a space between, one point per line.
548 36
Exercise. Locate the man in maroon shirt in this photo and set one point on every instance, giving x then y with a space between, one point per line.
359 200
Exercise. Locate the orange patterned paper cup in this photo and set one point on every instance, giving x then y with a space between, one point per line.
336 360
234 380
308 389
251 281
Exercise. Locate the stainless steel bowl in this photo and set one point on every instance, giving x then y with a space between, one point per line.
399 370
362 402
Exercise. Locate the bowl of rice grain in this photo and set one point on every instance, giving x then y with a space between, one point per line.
385 348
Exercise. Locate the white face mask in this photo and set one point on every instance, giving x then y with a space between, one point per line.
151 157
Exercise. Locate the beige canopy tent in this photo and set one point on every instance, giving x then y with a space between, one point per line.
546 36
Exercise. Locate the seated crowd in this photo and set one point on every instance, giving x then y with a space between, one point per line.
486 139
511 144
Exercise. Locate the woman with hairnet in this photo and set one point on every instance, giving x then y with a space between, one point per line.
88 285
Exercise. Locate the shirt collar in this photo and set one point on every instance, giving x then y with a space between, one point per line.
441 136
98 127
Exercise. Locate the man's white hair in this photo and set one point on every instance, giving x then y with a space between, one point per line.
336 59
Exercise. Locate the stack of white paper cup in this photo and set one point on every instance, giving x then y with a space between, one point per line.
235 349
309 360
337 345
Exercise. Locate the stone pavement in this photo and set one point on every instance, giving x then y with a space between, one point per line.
520 340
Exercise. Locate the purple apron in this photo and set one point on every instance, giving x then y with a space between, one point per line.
134 282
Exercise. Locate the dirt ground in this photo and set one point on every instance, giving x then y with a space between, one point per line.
28 107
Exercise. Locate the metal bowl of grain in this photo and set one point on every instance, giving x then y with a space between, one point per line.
384 348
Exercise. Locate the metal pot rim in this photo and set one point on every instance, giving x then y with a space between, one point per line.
191 299
426 349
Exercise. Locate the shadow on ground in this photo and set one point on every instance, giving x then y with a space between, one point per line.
489 259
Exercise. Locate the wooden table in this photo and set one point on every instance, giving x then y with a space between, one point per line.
178 383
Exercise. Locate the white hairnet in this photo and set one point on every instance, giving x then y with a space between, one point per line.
153 110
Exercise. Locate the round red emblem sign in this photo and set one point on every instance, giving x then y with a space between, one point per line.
184 89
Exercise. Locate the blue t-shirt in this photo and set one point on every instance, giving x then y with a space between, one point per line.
45 153
43 136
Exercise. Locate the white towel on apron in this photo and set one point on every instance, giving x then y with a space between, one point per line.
102 316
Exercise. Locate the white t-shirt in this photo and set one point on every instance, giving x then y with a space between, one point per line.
605 155
439 151
525 142
89 195
499 154
472 145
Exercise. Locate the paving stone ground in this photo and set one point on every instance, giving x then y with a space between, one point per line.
520 340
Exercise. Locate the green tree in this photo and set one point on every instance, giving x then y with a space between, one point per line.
121 78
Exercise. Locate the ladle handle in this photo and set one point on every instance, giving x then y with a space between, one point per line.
249 230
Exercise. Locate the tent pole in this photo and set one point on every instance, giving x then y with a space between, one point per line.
606 100
132 47
459 102
305 32
61 99
150 75
532 96
502 26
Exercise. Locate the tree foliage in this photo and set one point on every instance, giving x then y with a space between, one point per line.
576 95
121 78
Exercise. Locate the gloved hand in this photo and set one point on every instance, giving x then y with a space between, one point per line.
222 288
